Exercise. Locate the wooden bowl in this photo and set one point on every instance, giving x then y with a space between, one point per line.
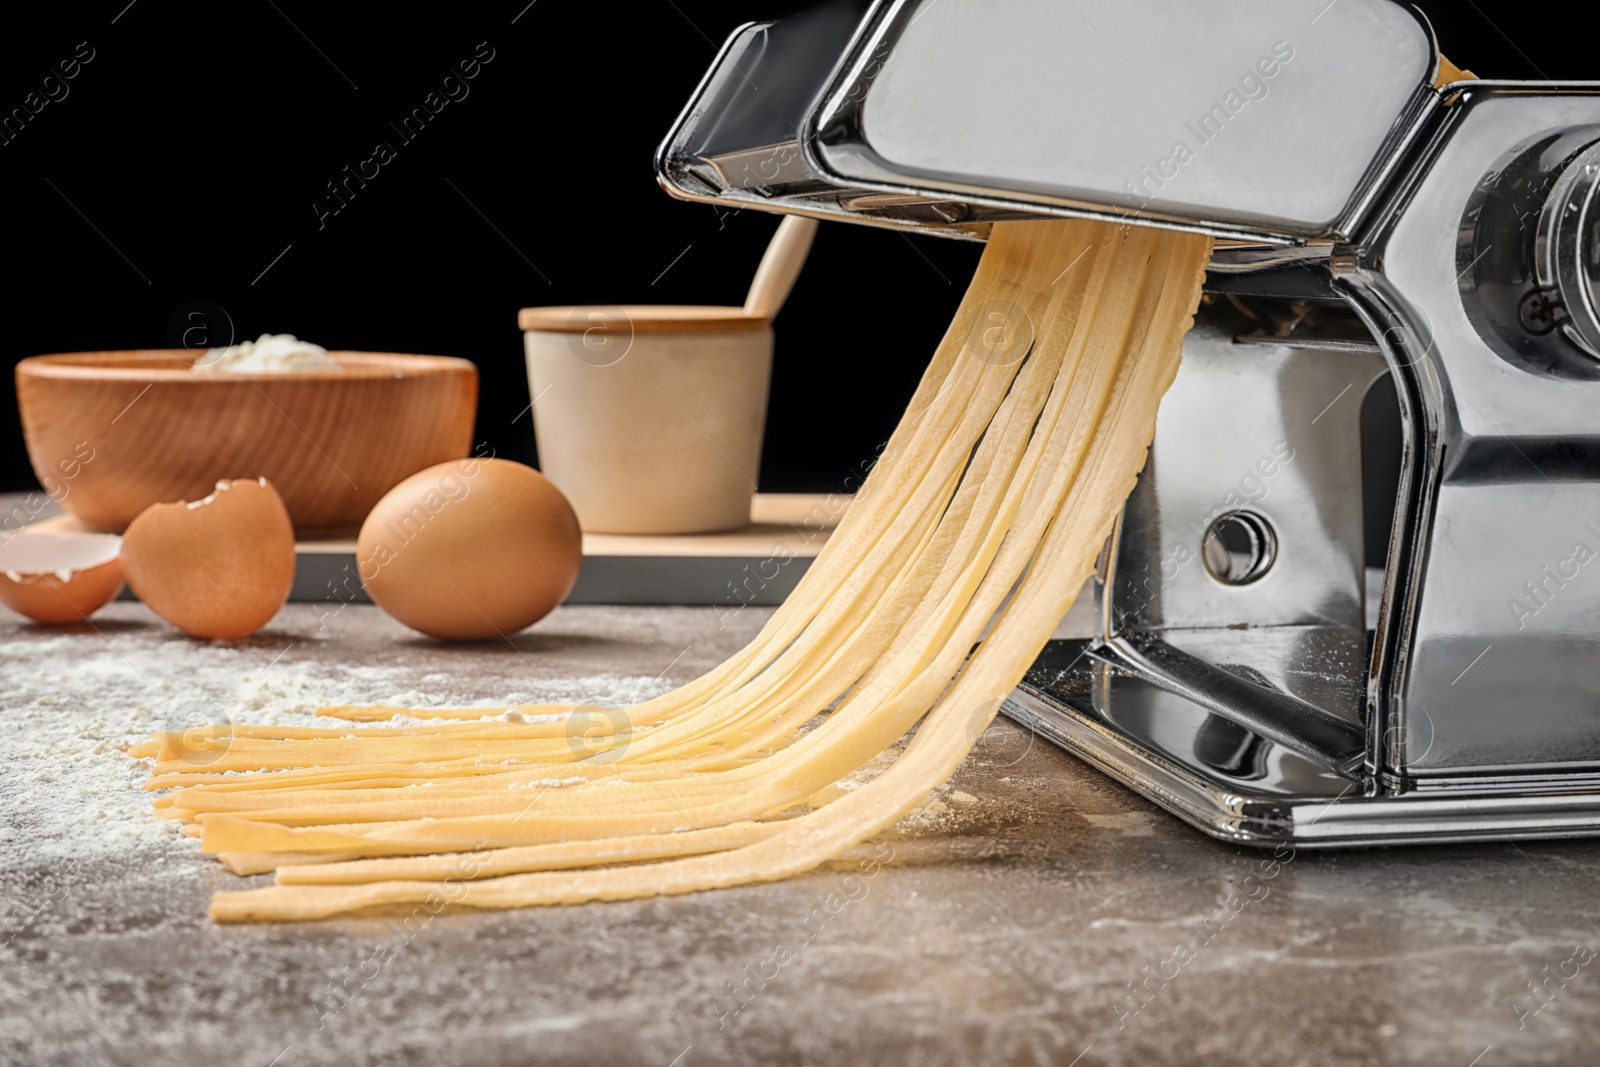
110 433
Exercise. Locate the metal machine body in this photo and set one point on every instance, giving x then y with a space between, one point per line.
1369 221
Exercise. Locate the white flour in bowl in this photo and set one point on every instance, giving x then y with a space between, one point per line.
270 353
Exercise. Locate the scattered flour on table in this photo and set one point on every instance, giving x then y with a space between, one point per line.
71 703
939 813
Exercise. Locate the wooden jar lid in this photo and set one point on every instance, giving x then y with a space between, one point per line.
642 318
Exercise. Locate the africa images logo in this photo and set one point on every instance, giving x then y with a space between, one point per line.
1252 85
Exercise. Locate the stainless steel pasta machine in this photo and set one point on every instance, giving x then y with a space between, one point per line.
1377 215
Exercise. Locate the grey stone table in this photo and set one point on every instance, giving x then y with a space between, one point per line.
1035 913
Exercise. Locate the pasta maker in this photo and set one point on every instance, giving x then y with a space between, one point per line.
1376 214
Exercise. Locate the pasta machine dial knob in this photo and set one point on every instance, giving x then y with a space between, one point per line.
1567 249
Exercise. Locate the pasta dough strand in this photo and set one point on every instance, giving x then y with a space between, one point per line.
938 589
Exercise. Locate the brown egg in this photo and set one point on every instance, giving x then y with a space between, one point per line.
59 577
473 549
219 567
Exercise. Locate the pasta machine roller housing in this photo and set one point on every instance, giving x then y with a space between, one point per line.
1373 218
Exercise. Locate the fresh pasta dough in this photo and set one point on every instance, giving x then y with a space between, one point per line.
940 586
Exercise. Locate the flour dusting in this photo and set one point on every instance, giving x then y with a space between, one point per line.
74 700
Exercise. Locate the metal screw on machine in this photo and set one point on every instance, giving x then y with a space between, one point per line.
1567 248
1537 314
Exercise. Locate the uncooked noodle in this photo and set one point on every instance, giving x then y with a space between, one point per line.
942 583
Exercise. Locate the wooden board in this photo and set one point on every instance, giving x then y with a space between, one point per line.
758 565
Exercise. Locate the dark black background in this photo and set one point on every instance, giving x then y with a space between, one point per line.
187 153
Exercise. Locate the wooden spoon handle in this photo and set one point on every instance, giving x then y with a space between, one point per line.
780 266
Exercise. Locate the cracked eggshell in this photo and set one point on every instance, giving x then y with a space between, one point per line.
59 578
220 567
471 550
